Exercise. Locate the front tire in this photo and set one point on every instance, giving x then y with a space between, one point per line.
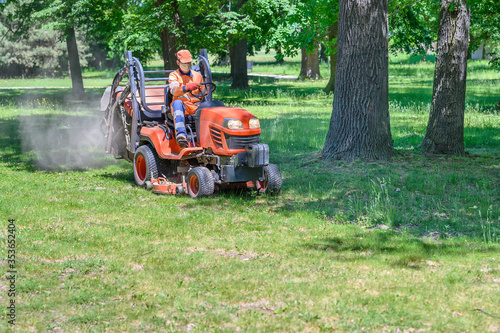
272 180
145 165
200 182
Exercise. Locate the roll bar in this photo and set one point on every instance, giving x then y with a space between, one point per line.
136 87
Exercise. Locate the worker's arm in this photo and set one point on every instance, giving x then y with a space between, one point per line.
176 87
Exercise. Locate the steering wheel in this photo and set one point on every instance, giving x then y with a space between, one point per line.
203 94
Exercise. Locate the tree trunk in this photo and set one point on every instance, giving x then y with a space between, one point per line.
239 65
332 34
310 64
238 53
172 37
169 49
322 54
74 65
445 129
280 56
360 126
232 56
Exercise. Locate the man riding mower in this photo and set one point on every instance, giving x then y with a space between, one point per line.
178 138
184 84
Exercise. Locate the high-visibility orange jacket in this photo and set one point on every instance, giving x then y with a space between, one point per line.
177 82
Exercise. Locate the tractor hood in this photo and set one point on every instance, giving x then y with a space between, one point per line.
221 116
228 130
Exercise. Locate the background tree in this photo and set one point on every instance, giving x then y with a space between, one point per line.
360 126
104 19
332 38
172 34
238 52
316 25
139 31
235 27
485 28
309 68
26 22
65 16
254 24
26 49
445 129
304 27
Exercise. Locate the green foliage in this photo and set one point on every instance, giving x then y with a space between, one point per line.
304 24
138 32
413 26
220 24
284 25
485 27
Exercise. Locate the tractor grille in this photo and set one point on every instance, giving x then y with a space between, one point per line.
216 137
239 142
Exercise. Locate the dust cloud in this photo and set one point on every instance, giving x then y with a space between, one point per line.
64 141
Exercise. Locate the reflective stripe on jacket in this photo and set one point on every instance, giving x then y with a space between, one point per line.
177 81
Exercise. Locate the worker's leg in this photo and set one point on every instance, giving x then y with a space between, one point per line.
178 109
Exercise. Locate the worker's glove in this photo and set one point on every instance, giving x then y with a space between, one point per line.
192 86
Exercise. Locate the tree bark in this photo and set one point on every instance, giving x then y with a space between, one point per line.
360 126
332 34
172 37
445 129
310 64
239 65
75 70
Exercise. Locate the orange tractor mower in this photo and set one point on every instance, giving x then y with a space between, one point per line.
223 152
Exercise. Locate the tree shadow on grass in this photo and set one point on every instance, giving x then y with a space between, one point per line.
429 58
340 191
397 249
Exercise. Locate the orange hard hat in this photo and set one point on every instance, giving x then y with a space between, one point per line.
184 56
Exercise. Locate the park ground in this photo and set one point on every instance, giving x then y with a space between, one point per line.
407 245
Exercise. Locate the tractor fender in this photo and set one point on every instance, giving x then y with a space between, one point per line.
154 136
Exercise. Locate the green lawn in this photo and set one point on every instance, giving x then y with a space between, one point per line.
412 244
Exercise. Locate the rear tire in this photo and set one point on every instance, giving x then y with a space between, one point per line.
200 182
272 180
145 165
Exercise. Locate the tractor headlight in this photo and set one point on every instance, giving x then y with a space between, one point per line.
254 123
233 123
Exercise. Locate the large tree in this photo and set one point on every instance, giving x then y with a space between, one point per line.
360 126
445 129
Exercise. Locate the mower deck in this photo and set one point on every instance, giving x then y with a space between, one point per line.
164 186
